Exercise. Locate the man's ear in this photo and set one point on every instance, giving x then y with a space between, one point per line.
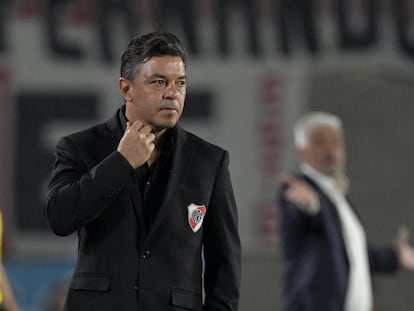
125 88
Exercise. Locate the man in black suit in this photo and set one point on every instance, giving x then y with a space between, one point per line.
327 260
152 204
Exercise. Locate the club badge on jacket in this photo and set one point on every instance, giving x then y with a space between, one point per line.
195 216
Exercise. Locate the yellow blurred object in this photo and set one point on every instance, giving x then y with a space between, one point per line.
1 248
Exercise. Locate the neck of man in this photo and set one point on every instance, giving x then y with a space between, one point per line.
161 141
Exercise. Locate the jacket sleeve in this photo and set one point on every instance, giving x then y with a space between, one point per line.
78 194
383 260
222 249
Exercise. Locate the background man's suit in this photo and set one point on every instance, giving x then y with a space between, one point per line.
314 256
93 191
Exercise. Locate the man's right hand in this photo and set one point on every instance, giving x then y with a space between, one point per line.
300 193
137 144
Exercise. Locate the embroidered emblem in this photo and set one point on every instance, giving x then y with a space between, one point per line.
195 216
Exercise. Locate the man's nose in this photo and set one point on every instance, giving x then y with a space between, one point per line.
171 91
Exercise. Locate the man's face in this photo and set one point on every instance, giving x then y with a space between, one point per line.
325 151
157 95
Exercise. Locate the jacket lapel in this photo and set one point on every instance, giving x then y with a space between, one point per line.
181 159
114 134
333 226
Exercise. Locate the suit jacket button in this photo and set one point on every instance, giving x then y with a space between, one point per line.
136 288
146 255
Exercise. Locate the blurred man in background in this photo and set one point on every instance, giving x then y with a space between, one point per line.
150 202
327 261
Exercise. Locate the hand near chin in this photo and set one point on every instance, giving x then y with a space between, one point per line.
137 143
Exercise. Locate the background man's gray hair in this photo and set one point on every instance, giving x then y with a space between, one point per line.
310 121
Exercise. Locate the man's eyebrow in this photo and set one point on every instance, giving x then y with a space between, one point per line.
156 75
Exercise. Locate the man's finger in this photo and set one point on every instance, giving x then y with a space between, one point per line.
145 130
403 235
292 181
137 125
150 137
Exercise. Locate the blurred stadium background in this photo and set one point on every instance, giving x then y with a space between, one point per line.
254 66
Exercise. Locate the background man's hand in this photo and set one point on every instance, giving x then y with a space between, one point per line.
404 249
301 194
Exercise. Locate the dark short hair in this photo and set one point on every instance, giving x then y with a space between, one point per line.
141 49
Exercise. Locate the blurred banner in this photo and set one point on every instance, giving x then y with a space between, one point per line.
252 69
249 68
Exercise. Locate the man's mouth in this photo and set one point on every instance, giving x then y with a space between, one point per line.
171 106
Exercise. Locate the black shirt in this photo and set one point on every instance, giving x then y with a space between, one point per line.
152 181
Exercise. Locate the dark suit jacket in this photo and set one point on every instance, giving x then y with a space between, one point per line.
314 256
94 192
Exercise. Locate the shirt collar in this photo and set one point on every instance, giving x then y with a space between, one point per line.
326 182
